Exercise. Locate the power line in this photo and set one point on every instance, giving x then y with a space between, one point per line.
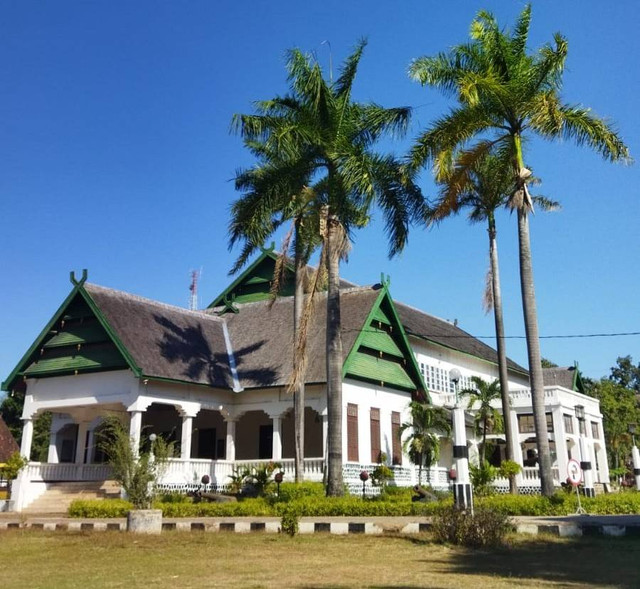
469 336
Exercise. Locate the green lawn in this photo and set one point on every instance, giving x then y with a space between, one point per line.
174 559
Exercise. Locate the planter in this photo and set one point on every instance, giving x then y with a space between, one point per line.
144 521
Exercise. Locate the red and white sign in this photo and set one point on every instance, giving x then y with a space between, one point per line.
574 472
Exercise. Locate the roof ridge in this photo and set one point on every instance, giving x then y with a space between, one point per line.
146 300
432 316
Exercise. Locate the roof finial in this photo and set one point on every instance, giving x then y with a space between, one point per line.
270 249
76 282
385 280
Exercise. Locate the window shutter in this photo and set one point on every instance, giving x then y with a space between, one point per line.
352 433
396 449
375 435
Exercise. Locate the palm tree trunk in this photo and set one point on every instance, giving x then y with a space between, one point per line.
501 346
533 351
334 361
298 395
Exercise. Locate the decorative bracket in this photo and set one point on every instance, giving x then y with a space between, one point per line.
75 281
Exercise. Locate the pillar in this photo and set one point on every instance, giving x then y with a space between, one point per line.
586 466
27 438
325 434
462 492
517 448
135 430
81 445
231 439
635 454
185 439
559 436
276 445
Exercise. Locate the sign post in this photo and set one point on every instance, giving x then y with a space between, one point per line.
574 476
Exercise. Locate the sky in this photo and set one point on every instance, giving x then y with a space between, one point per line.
116 156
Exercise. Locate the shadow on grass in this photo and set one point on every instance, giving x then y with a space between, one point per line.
580 561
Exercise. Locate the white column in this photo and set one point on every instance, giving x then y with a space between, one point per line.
517 448
276 445
635 454
27 438
83 426
135 430
185 440
559 436
325 434
231 439
602 461
52 454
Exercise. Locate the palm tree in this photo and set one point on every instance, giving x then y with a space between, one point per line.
317 127
483 189
272 195
504 94
423 443
487 417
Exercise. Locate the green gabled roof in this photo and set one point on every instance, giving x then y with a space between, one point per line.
381 353
77 339
254 284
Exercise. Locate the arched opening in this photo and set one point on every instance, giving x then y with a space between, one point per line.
254 436
99 442
209 434
312 434
165 421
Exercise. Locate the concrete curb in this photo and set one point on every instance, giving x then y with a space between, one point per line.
563 527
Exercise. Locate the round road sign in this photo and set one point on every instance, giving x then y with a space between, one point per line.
574 472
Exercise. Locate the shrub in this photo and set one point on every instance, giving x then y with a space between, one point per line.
481 478
11 468
508 469
295 491
486 528
289 523
174 497
99 508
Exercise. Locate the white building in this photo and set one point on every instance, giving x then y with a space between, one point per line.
214 381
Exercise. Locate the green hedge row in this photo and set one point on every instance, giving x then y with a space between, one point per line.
307 502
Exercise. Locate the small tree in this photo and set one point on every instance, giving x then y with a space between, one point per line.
137 473
487 417
423 443
12 468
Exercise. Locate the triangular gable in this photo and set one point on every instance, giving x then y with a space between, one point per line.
381 353
76 340
254 284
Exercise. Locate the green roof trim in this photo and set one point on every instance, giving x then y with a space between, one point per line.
75 349
381 352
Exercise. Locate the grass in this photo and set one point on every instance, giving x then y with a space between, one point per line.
174 559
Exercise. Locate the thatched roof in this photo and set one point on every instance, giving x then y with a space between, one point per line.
8 444
561 376
262 336
167 341
427 327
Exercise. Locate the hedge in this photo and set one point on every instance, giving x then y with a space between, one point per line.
307 501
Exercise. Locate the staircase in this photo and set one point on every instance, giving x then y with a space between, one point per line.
59 495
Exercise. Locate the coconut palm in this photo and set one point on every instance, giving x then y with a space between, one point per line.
272 195
482 189
505 94
487 417
426 426
319 128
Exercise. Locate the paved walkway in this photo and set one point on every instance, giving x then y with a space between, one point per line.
573 525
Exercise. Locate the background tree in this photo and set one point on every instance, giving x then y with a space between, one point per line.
427 425
11 412
505 94
487 418
320 128
626 373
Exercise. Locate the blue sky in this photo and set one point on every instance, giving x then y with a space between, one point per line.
116 156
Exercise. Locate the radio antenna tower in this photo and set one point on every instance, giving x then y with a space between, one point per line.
193 289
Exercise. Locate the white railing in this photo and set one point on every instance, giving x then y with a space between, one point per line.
48 472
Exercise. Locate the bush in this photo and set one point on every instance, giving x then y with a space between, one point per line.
97 508
486 528
295 491
481 478
174 497
289 523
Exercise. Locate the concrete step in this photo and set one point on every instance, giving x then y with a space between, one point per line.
59 495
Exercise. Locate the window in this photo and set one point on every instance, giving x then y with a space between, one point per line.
568 423
526 424
352 433
594 430
437 379
375 434
396 450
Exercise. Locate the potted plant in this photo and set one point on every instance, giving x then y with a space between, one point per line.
137 472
